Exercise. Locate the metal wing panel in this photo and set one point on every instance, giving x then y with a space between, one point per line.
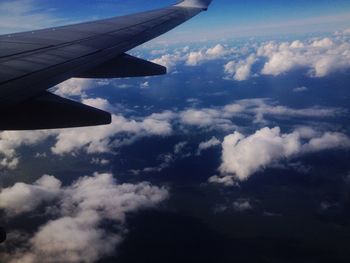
12 48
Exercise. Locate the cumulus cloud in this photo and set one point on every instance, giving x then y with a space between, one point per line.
168 60
240 70
208 144
204 118
321 56
74 87
242 155
99 103
101 139
75 233
323 43
10 141
193 57
22 197
196 57
328 140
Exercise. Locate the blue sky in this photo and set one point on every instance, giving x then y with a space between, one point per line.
226 18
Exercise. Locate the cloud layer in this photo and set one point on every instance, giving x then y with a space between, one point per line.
75 233
319 56
124 131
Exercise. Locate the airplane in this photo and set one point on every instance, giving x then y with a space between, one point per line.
32 62
2 235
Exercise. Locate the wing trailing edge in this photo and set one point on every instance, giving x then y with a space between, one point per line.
124 66
50 111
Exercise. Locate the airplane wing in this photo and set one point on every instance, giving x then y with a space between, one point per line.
32 62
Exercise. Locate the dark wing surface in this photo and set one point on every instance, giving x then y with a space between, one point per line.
32 62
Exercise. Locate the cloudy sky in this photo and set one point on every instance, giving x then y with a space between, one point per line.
243 144
227 19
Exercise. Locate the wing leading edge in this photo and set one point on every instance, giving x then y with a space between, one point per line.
32 62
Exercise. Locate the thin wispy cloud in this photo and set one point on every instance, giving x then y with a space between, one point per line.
25 15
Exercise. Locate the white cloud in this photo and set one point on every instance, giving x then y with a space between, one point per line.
194 58
100 161
323 43
242 155
22 197
100 139
99 103
221 117
208 144
240 70
202 117
226 180
328 140
297 44
74 87
179 147
168 60
241 205
144 85
10 141
75 234
9 163
322 56
300 89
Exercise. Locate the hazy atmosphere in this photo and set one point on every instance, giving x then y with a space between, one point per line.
239 154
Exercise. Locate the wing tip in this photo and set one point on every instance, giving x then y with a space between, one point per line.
202 4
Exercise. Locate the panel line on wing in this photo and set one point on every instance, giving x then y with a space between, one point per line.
79 40
77 58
